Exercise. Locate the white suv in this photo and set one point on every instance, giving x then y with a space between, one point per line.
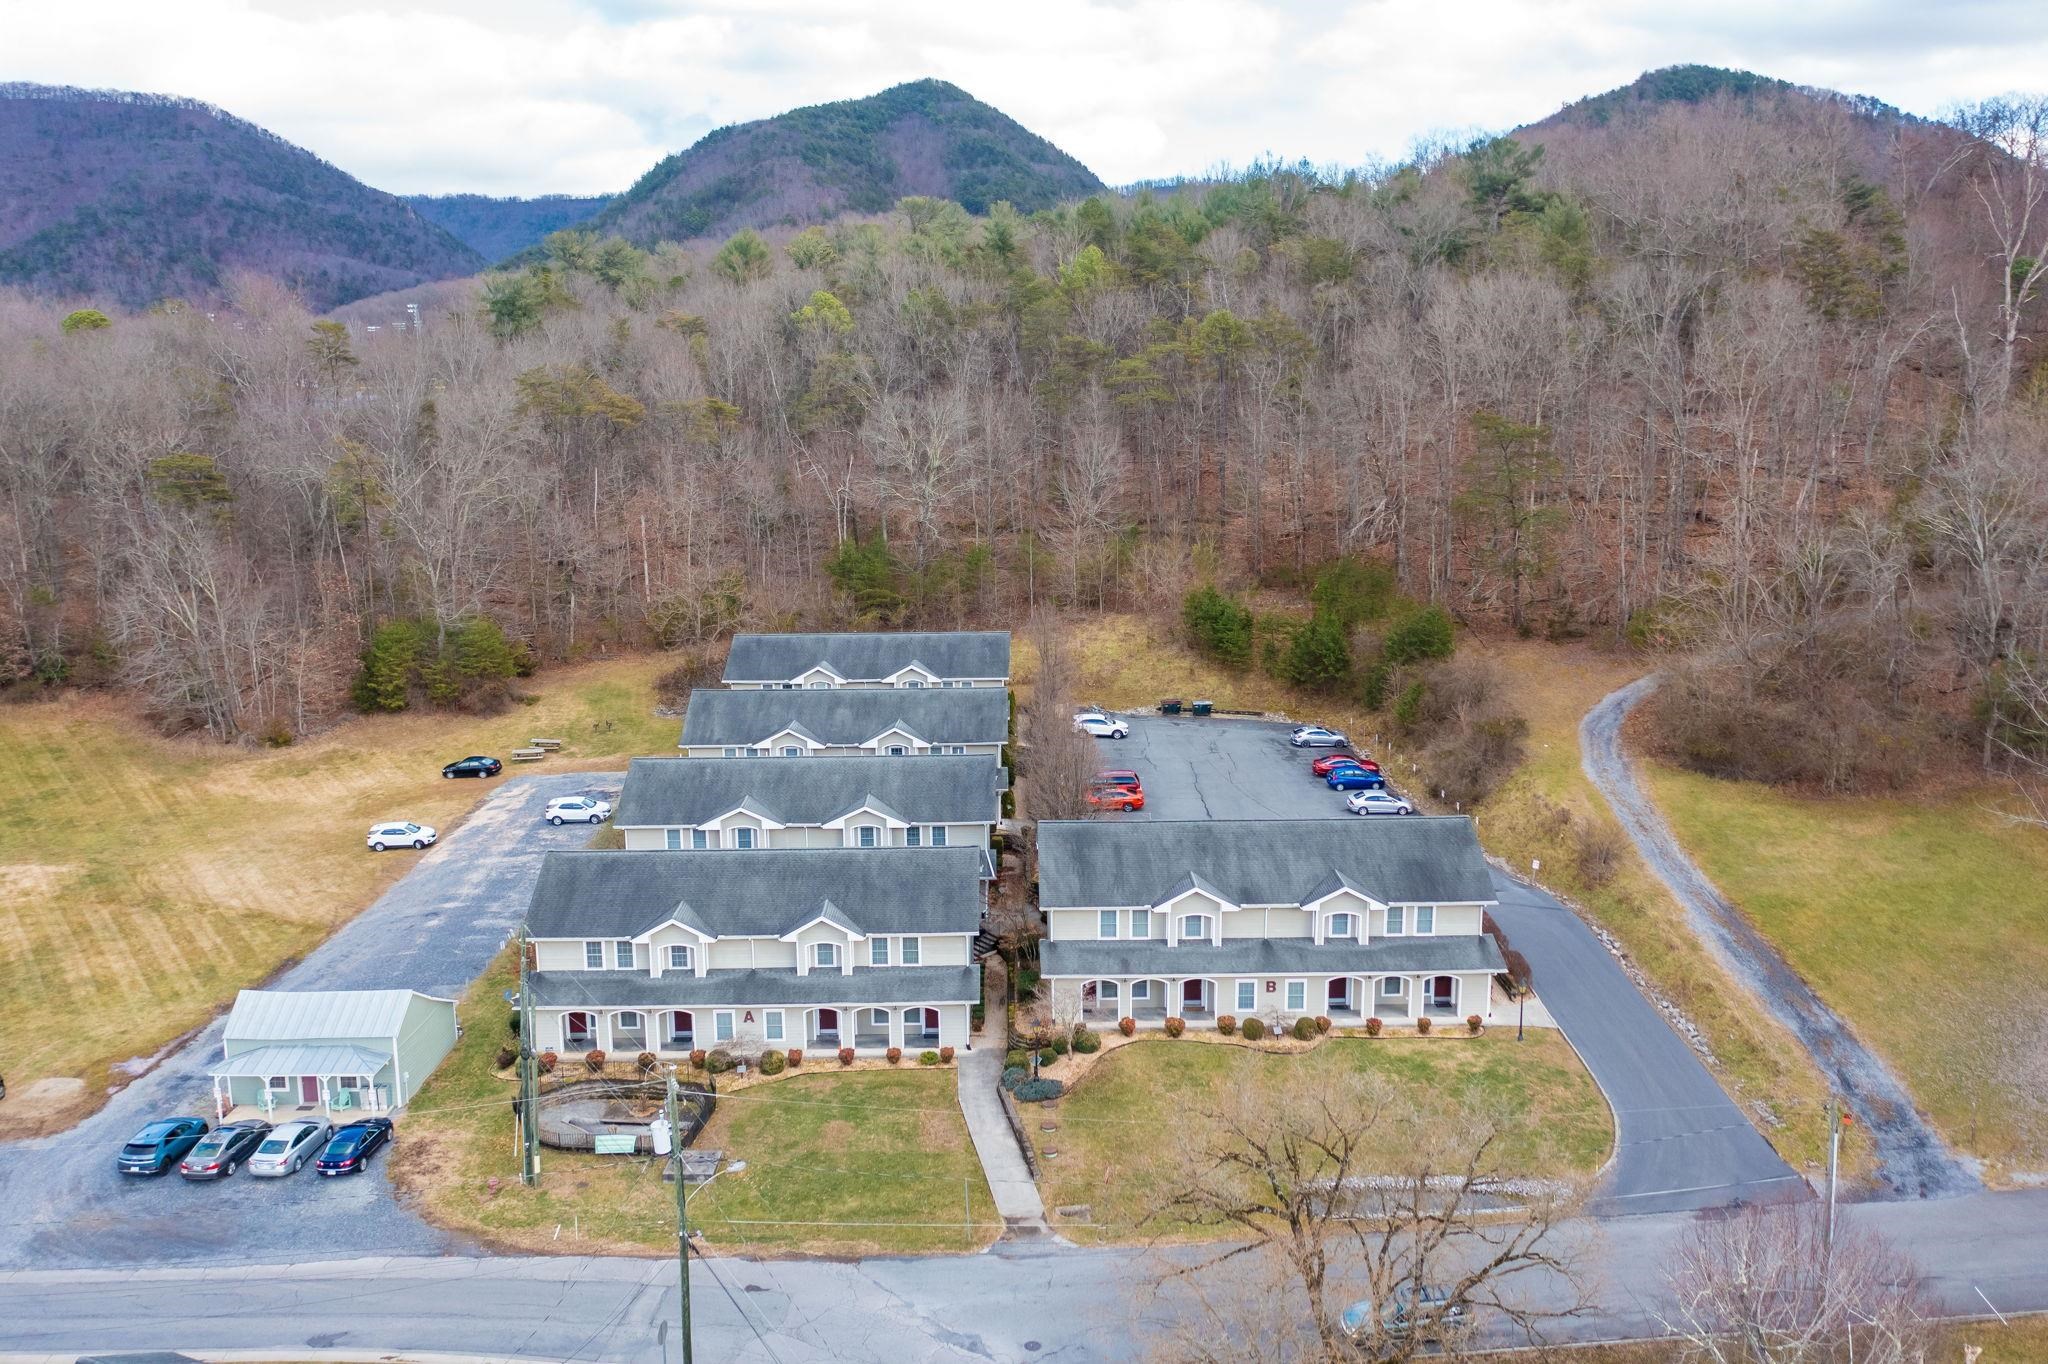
401 834
582 809
1101 726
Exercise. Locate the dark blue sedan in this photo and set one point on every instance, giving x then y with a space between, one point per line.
1355 779
349 1150
159 1146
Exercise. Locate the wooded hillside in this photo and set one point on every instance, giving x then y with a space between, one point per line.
1750 377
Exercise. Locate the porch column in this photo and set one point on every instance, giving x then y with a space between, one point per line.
1174 1006
1414 998
896 1028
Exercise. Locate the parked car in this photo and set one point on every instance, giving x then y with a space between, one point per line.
583 809
289 1146
1315 736
1425 1315
475 765
222 1151
1119 776
1123 798
160 1145
350 1148
1352 778
1101 726
1377 803
402 834
1321 766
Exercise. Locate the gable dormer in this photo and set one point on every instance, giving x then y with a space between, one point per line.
827 927
1339 908
912 675
898 736
1194 911
683 928
791 741
819 677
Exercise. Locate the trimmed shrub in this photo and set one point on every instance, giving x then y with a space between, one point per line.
846 1056
720 1061
1226 1024
548 1061
1472 1024
945 1056
772 1063
1176 1026
1014 1076
1422 1025
506 1056
1087 1042
1373 1026
1016 1058
1322 1024
647 1061
1127 1026
1059 1046
1047 1057
594 1059
796 1057
927 1058
1304 1028
697 1059
1253 1030
1039 1090
893 1055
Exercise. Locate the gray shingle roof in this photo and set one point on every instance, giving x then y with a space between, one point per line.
927 790
869 657
1269 956
759 893
1402 860
681 990
846 718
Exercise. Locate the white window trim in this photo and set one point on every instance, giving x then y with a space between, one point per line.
773 1028
1138 916
913 952
689 961
1110 919
824 956
1397 921
878 952
1400 987
1242 987
1141 989
938 838
623 955
1287 989
1418 930
587 954
723 1026
700 839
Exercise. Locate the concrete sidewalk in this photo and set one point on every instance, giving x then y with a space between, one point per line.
981 1072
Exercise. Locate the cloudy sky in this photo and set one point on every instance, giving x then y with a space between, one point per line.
581 96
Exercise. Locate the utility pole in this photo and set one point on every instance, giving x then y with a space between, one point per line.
529 1073
682 1212
1834 1163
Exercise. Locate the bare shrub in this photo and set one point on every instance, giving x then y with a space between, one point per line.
1597 854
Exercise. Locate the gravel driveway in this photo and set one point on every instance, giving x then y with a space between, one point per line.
1912 1159
434 931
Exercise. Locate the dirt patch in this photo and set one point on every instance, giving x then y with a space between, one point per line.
48 1105
837 1132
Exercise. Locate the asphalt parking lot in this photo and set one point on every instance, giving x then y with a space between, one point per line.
1221 768
435 931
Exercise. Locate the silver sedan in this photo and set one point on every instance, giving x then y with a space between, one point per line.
289 1145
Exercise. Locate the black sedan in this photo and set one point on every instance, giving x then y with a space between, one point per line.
476 765
224 1149
160 1145
348 1151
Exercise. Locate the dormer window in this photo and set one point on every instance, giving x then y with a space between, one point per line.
898 751
791 751
1341 926
1194 926
743 838
912 683
865 835
680 958
825 954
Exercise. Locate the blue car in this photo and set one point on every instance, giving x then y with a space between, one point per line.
1355 779
348 1150
159 1146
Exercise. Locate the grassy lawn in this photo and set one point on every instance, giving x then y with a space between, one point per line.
880 1149
1907 917
144 880
1109 1125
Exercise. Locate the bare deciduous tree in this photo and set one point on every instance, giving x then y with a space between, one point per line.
1057 759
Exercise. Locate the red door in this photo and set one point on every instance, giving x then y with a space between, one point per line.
828 1020
578 1028
1191 992
309 1089
931 1022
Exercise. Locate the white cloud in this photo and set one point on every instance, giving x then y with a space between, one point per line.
581 96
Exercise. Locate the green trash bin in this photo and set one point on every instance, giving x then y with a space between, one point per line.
1170 706
1204 707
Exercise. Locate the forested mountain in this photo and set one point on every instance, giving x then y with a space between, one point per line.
132 198
1750 378
861 156
498 228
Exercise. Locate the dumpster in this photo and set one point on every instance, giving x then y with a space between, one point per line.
1170 706
1204 707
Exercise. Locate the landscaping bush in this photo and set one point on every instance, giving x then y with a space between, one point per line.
1322 1024
1422 1025
593 1059
719 1061
1087 1042
547 1062
772 1063
647 1061
1014 1076
846 1056
1059 1046
1127 1026
927 1058
796 1057
1373 1026
946 1056
512 1024
1304 1028
893 1055
506 1056
1253 1030
1176 1026
1039 1090
1472 1024
697 1059
1016 1059
1226 1024
1047 1057
976 1016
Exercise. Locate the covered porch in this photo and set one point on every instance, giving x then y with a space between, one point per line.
281 1082
871 1028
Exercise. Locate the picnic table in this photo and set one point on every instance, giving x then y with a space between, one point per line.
528 755
549 744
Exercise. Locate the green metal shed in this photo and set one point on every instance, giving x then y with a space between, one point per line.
335 1052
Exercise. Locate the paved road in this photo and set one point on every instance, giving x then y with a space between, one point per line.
1017 1304
1680 1141
1912 1158
435 930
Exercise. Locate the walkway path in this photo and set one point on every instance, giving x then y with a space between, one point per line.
1002 1163
1912 1158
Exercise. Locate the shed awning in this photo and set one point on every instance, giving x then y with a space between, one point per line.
294 1058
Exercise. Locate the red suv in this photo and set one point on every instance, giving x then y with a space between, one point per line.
1324 765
